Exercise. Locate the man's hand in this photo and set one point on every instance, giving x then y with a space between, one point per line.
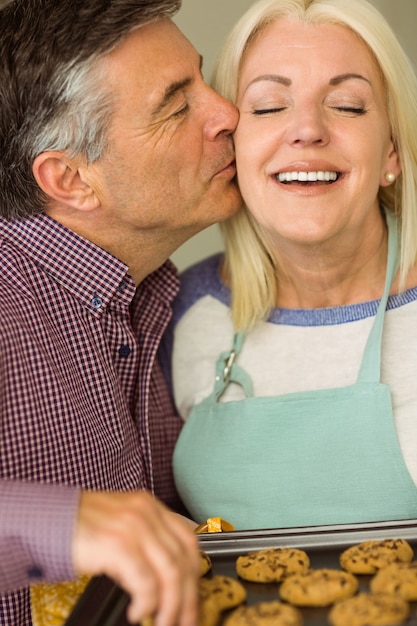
149 551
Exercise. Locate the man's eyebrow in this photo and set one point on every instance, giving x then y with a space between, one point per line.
340 79
171 91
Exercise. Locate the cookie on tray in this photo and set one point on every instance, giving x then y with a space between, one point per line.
318 587
265 614
369 609
272 564
205 563
370 556
398 579
209 612
225 592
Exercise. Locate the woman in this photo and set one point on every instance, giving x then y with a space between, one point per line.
309 416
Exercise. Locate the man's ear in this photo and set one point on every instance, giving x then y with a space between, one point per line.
59 177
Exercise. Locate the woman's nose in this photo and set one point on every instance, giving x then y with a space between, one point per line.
308 127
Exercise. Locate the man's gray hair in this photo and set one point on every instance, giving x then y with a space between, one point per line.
51 95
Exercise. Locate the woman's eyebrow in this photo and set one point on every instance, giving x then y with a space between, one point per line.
275 78
340 79
283 80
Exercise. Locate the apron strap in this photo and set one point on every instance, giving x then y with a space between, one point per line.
227 370
370 370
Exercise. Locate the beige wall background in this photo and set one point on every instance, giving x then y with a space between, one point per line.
207 22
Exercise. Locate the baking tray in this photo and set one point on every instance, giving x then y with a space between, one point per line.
104 604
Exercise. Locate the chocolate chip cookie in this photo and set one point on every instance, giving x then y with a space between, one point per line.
272 564
318 587
370 556
398 579
369 609
265 614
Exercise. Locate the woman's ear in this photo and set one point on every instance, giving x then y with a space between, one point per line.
391 169
60 178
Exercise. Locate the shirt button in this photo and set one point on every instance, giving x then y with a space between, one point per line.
34 572
97 302
122 286
124 351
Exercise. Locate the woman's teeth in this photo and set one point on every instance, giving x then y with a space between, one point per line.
306 177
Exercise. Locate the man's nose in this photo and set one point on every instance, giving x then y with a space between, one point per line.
223 116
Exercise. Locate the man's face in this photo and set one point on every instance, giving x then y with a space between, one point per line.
169 163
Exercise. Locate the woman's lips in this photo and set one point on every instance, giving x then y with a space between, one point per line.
307 177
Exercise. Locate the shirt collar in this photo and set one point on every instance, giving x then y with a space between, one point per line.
90 273
164 282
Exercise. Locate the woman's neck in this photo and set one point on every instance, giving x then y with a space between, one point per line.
332 274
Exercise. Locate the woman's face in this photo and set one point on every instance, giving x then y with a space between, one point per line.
313 141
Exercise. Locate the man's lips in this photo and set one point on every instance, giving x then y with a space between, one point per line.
308 177
229 168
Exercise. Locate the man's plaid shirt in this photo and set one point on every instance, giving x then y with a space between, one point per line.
83 402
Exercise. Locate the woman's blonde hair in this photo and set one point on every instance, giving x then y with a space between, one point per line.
249 263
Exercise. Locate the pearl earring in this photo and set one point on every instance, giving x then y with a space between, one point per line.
390 177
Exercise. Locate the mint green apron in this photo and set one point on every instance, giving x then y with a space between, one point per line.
329 456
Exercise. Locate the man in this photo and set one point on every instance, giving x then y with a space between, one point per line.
113 152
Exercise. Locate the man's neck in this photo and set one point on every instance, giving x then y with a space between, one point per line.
143 251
